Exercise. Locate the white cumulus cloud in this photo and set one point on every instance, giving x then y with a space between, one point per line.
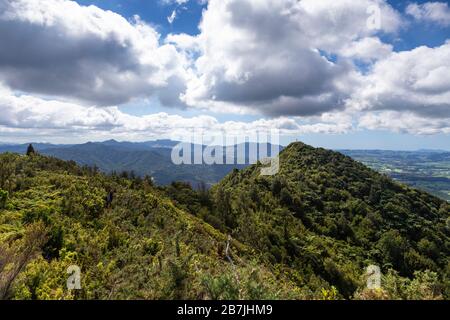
416 81
47 119
436 12
269 56
60 48
68 67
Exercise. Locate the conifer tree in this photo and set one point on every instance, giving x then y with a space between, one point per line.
30 150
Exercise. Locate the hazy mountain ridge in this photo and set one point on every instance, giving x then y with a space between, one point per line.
428 170
152 158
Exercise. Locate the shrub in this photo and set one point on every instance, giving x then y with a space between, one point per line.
3 198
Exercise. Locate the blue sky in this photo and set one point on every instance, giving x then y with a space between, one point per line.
155 12
415 115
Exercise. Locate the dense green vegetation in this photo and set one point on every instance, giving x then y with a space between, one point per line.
308 232
145 158
325 217
54 214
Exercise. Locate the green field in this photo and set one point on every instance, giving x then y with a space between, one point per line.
426 170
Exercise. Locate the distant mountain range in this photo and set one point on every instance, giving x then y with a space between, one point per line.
425 169
151 158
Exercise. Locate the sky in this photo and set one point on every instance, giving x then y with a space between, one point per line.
365 74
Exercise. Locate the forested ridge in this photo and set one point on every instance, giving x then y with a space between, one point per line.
325 217
308 232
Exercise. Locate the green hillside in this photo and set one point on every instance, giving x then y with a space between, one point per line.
53 214
325 217
308 232
155 162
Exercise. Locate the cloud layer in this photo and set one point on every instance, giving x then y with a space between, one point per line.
434 12
46 118
305 66
415 81
59 48
271 56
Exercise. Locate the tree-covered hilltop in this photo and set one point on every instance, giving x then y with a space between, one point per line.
308 232
325 217
129 240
